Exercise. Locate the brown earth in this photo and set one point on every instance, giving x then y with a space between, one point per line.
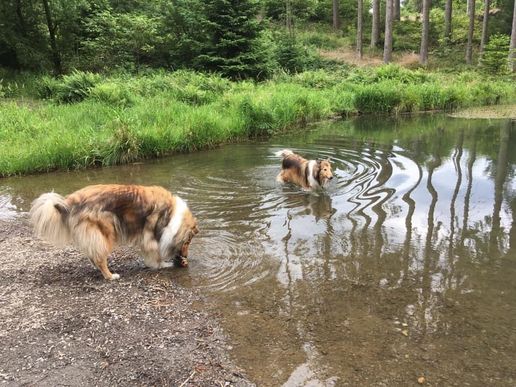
488 112
61 324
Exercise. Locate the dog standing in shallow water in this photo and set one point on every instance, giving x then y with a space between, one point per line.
97 217
309 174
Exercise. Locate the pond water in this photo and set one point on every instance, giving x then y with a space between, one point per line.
404 267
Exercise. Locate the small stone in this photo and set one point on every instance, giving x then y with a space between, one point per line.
421 379
404 332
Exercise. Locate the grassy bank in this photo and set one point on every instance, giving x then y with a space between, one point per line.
86 120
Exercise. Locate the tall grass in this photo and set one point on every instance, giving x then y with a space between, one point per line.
87 120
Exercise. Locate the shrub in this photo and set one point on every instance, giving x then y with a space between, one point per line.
395 72
70 88
381 98
258 119
123 146
291 55
495 59
112 93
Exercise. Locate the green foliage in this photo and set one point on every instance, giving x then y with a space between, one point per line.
234 48
124 145
378 98
291 55
495 58
70 88
112 93
400 74
125 118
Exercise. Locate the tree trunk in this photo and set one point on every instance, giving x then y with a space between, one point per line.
21 19
485 22
397 10
288 17
423 53
469 46
448 21
387 46
336 16
56 58
512 48
375 31
360 7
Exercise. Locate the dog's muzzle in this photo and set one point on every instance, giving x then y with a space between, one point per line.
181 261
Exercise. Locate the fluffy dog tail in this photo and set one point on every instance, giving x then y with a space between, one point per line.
283 153
49 214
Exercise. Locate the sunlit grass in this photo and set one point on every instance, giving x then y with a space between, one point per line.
122 119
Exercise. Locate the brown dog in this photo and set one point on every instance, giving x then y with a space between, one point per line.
97 217
309 174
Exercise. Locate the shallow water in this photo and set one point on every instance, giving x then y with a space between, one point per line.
404 267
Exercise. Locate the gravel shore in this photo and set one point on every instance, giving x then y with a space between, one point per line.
62 324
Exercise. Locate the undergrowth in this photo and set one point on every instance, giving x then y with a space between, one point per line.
86 120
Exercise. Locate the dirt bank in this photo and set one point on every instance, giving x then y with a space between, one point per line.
62 324
488 112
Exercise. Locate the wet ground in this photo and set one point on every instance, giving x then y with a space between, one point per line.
402 270
61 324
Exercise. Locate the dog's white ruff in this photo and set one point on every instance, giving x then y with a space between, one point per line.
311 179
173 226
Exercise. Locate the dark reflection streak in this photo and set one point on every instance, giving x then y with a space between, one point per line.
384 176
286 239
457 162
501 174
408 220
467 197
426 277
328 236
512 232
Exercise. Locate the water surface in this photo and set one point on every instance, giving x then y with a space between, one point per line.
405 266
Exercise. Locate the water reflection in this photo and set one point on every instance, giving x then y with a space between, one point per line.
404 266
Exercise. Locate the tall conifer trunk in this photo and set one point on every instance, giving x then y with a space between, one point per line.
387 47
375 28
485 23
512 48
448 21
360 6
469 45
423 53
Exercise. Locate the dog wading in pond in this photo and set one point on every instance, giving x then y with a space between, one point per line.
97 218
308 174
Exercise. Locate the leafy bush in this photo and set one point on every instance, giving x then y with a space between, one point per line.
70 88
123 146
378 98
400 74
495 59
291 55
112 93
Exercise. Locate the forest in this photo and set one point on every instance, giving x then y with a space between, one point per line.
100 82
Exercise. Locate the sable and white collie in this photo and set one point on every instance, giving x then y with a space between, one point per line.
96 218
309 174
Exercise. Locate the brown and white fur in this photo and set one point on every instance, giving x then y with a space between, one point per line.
97 217
308 174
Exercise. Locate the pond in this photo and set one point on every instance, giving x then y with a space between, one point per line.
404 267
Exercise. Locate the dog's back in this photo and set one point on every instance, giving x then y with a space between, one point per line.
308 174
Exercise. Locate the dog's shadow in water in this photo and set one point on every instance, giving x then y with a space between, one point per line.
317 204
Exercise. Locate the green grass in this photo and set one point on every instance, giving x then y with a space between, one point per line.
88 121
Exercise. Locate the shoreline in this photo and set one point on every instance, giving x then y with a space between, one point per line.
125 120
60 320
502 112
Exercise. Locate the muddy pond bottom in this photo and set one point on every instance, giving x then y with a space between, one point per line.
404 268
